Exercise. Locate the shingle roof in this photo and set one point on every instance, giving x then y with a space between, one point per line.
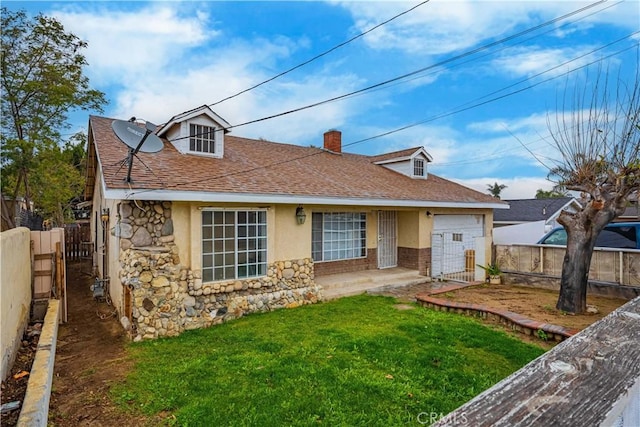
254 166
394 155
527 210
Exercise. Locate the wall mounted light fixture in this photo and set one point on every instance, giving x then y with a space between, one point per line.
301 216
104 216
429 214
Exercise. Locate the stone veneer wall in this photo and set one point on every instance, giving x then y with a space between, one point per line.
168 298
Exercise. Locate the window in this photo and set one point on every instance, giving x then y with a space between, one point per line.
340 235
623 237
456 237
418 167
234 244
202 138
557 237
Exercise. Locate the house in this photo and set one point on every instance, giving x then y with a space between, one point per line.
214 226
632 211
527 220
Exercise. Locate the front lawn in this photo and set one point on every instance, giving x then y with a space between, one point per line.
353 361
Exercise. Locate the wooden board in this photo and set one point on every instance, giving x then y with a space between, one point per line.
584 381
49 267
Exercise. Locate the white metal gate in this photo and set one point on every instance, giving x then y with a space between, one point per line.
387 239
453 246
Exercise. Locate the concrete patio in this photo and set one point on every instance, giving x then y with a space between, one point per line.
374 281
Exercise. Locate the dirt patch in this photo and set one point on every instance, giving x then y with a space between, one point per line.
534 303
90 357
402 307
14 386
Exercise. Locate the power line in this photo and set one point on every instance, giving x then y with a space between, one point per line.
504 47
438 64
473 104
489 101
319 151
320 55
446 61
464 107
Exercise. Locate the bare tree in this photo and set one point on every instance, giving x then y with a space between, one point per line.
596 131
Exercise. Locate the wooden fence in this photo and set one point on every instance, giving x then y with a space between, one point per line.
616 266
78 244
49 274
613 272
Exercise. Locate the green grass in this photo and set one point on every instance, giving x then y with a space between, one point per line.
349 362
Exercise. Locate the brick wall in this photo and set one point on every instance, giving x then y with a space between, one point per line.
415 259
348 265
425 261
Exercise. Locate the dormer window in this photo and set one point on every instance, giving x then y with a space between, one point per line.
418 167
199 132
411 162
202 139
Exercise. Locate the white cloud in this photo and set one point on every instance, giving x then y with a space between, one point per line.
162 61
203 86
444 27
439 141
532 60
159 59
533 122
433 28
129 45
307 124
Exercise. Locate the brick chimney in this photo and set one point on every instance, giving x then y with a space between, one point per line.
333 141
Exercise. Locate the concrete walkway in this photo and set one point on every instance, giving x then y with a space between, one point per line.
373 281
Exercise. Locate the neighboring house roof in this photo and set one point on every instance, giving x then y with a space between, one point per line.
631 213
529 210
268 172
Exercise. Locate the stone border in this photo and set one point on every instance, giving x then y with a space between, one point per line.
515 321
35 407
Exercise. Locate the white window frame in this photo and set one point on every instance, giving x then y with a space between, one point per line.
419 164
335 237
234 244
205 136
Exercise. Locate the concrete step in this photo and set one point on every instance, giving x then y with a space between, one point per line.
366 277
340 285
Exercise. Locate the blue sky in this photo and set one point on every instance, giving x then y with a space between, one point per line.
157 59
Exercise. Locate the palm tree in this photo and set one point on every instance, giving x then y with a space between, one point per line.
495 189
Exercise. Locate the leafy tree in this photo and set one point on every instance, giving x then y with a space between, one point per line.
495 189
554 193
598 140
57 179
42 82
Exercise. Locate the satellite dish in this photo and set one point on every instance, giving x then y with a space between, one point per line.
136 139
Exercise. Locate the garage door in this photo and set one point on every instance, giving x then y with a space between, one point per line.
453 246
